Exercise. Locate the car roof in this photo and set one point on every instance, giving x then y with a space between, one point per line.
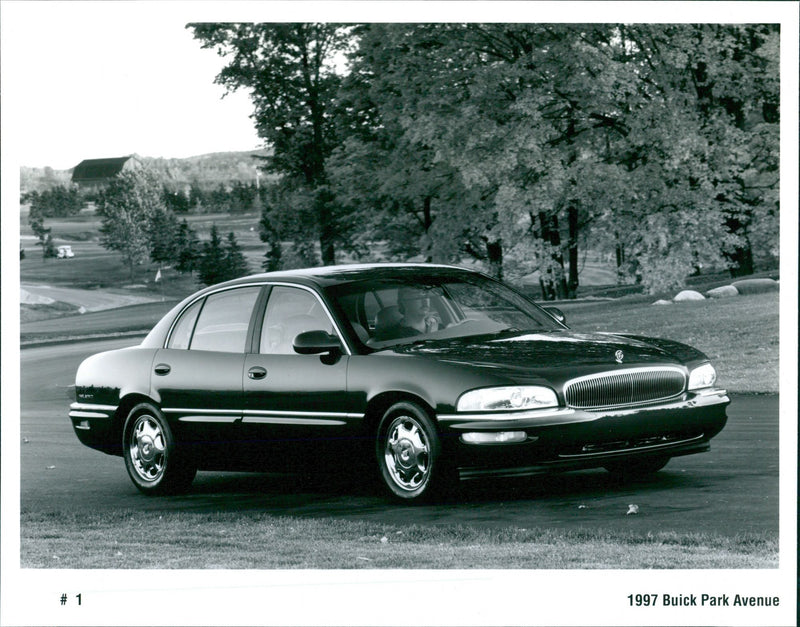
327 276
318 278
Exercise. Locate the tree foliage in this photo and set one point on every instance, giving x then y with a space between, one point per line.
288 69
517 146
560 131
57 201
127 208
220 260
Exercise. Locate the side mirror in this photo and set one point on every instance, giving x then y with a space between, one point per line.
316 342
557 314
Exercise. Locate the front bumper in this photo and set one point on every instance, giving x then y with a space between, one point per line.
566 439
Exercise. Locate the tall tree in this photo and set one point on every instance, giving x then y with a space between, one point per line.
187 247
289 70
126 209
234 260
164 233
558 129
42 232
211 263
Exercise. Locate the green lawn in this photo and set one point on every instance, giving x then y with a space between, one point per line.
226 540
740 335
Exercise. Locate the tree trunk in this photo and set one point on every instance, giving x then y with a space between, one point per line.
554 285
494 254
572 284
427 221
327 232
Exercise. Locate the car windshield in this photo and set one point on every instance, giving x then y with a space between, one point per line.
389 311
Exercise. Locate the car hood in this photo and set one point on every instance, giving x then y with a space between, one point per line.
548 350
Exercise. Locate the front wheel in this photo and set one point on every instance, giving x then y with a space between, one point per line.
154 463
409 453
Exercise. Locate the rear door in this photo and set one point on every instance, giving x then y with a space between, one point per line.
198 377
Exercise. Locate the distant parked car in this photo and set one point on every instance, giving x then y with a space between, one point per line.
436 372
65 252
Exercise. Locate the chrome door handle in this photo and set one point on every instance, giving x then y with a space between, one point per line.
162 369
257 372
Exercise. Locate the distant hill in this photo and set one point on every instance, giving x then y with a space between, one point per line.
209 170
213 169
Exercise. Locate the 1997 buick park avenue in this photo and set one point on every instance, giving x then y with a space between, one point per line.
434 372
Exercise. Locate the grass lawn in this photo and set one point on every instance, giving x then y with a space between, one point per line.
740 335
189 540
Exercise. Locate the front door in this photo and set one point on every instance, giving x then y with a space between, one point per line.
295 406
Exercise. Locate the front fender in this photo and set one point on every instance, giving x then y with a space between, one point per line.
438 383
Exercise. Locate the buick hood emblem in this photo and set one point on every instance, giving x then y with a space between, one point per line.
619 356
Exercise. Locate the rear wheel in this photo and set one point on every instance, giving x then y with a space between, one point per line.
635 469
154 462
409 453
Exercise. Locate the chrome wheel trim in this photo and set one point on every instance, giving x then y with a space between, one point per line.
147 448
407 453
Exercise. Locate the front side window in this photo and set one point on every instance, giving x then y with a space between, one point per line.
291 311
224 319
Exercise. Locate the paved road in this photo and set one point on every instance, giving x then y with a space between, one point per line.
730 490
90 300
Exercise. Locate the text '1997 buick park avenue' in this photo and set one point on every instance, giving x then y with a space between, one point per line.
435 372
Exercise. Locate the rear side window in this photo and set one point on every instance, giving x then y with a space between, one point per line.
222 325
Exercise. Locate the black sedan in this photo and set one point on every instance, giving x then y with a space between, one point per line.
436 372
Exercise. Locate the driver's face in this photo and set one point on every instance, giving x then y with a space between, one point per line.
414 301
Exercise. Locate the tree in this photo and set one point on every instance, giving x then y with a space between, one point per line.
234 261
163 233
271 236
559 131
58 201
210 265
176 200
401 193
188 248
127 208
36 222
220 261
290 72
48 247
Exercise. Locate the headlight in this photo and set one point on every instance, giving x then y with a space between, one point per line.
510 398
702 377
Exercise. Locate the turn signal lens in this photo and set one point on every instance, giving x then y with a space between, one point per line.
499 437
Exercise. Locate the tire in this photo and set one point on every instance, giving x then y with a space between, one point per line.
409 453
629 470
153 461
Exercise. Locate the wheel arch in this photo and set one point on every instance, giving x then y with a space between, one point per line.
378 405
127 402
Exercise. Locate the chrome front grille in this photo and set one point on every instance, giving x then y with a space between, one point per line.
624 387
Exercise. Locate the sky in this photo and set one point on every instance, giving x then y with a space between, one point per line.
93 80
